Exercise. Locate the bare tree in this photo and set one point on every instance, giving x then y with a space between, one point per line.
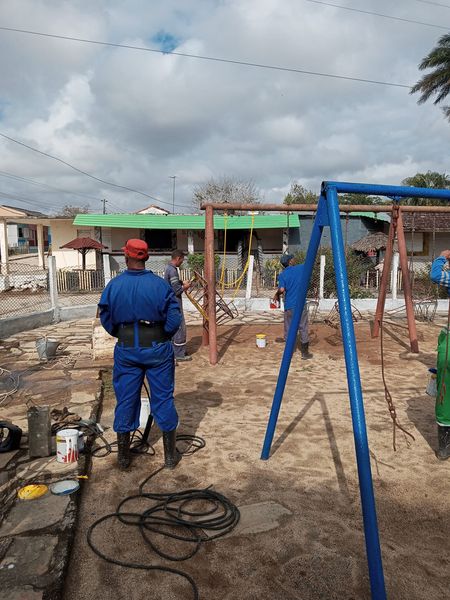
71 211
227 190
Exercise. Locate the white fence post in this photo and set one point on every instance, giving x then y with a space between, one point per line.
322 276
107 268
248 291
394 278
53 286
4 251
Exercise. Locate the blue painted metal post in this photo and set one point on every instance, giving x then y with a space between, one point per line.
320 220
356 401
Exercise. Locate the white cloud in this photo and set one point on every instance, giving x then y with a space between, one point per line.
137 118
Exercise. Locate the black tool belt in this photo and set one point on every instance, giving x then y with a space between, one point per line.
149 333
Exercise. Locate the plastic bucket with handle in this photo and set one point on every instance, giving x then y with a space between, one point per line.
67 445
261 341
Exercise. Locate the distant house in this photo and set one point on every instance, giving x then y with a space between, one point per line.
427 234
152 210
354 226
23 236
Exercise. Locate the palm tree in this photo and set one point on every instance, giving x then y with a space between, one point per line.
438 81
430 179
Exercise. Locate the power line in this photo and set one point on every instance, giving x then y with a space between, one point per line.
211 58
375 14
116 185
51 187
433 3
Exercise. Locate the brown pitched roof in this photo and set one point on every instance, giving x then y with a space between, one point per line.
426 222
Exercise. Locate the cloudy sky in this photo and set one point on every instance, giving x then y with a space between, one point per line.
136 118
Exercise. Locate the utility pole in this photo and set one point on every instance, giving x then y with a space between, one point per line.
173 192
104 205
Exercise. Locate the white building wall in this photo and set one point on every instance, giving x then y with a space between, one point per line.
120 236
64 231
13 234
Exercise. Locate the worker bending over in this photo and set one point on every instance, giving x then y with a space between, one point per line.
289 284
141 311
441 275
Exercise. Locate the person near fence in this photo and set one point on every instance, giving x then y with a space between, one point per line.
289 285
440 274
141 311
171 275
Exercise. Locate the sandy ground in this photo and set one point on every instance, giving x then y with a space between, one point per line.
317 551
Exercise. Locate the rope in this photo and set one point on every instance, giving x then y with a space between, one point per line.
388 398
237 283
222 274
14 379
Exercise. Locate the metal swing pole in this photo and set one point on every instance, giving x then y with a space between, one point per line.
316 234
407 284
379 312
373 549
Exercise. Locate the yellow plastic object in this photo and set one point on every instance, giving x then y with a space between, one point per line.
33 491
261 336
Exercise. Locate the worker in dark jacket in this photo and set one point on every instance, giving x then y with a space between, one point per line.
289 285
173 279
141 311
440 274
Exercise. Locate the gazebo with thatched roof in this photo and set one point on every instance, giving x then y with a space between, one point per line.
372 243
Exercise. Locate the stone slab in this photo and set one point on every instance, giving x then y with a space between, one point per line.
33 515
257 518
27 559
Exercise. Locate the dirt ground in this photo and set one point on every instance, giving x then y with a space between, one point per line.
317 551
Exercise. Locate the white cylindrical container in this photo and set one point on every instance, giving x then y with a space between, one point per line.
67 445
261 341
145 412
432 383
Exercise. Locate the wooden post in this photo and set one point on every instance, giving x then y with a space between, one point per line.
407 290
210 276
386 272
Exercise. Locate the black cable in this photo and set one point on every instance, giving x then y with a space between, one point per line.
123 187
184 511
375 14
202 57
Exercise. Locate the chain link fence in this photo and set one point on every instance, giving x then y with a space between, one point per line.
24 289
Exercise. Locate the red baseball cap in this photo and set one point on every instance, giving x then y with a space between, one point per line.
136 249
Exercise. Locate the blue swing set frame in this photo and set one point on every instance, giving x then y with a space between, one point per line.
328 216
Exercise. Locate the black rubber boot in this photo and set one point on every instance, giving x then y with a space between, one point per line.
171 455
444 443
304 348
123 456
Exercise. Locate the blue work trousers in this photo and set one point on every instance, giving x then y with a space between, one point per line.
131 365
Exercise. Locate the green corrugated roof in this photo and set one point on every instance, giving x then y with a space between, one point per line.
133 221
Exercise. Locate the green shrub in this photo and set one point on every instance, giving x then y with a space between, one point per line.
196 262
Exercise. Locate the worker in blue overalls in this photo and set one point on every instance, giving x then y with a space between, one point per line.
289 285
141 311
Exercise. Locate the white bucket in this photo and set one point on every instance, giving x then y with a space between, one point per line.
432 383
145 412
67 445
261 341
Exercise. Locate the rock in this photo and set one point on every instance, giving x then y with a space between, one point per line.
27 559
33 515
